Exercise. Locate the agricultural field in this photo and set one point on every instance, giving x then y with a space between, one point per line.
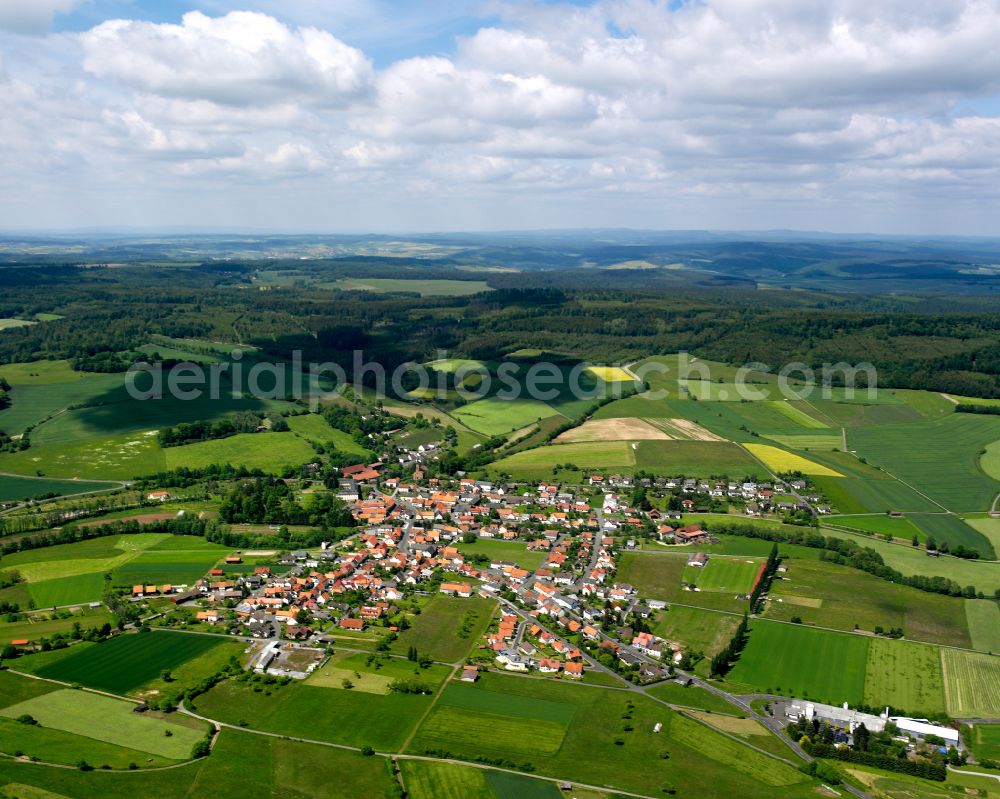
126 415
827 595
317 712
609 374
949 446
70 574
881 524
907 676
793 660
127 662
511 551
954 531
43 388
971 684
18 488
618 429
988 527
313 427
112 458
820 441
853 495
270 452
639 406
43 625
111 721
430 780
908 560
293 770
724 575
699 630
694 458
539 462
654 575
985 741
376 676
425 288
781 461
570 732
447 628
493 416
983 617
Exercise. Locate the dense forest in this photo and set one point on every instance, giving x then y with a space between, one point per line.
924 340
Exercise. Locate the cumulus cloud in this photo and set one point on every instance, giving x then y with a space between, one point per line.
620 107
243 58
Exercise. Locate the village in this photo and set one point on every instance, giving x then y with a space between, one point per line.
567 615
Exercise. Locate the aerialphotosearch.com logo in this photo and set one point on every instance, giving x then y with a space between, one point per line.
662 377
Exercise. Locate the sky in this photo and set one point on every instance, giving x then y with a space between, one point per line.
873 116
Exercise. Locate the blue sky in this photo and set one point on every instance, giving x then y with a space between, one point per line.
847 116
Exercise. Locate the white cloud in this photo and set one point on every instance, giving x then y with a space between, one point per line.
720 110
241 59
32 16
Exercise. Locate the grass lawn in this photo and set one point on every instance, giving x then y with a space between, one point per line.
906 676
270 452
692 696
971 684
126 662
447 627
375 676
986 741
513 551
983 617
109 720
793 660
830 595
725 575
351 717
607 739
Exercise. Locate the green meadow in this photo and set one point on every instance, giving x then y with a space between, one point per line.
111 721
944 466
127 661
447 627
270 452
800 661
